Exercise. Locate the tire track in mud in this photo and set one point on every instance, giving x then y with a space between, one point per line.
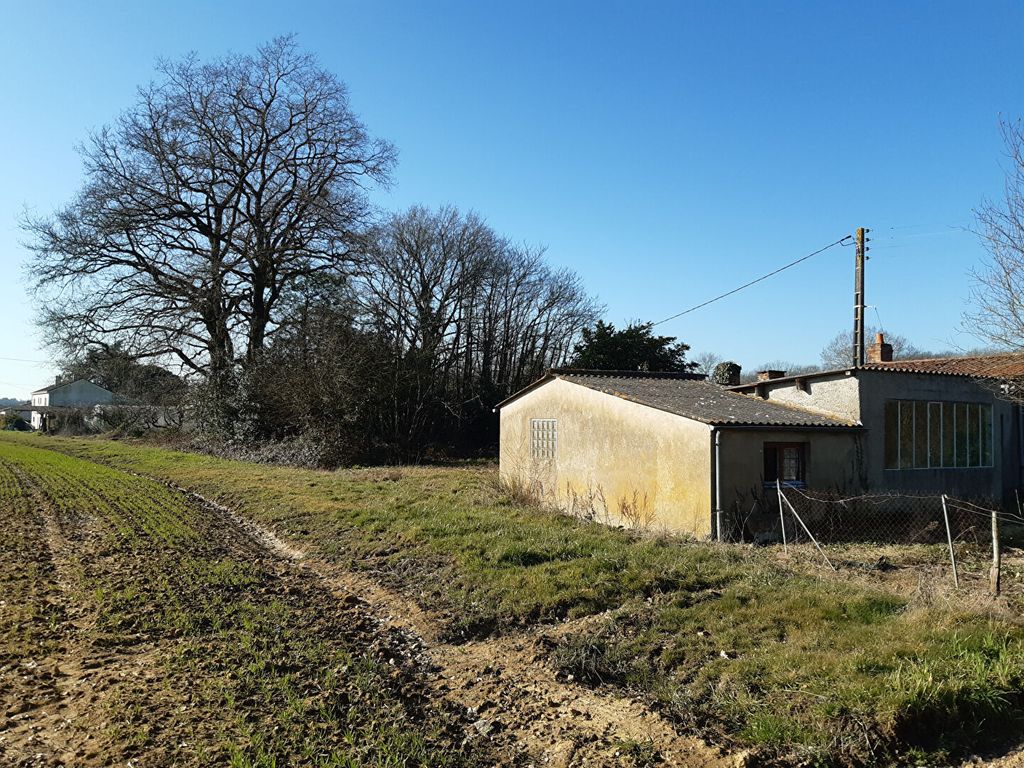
504 683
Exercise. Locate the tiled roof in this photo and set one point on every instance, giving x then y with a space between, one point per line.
697 399
1009 365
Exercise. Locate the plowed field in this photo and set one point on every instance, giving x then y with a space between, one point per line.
138 627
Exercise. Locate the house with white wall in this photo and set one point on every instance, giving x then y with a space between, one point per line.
692 456
662 450
75 394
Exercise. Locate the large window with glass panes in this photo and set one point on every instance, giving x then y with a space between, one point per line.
928 434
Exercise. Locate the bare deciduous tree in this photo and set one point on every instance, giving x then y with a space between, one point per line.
705 362
998 286
223 187
791 369
468 318
838 353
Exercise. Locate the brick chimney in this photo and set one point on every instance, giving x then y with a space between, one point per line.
880 352
727 374
769 375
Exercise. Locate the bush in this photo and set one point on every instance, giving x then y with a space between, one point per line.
14 422
307 450
73 421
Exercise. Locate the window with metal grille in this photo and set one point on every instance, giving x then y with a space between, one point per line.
543 438
921 434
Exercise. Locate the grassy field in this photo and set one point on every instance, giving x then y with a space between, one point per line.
130 627
734 643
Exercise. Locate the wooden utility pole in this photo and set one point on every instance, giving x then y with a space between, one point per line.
858 299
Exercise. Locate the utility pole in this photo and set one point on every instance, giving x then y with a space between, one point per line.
858 298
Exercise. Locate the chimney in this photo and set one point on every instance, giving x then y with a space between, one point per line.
58 380
880 352
727 374
769 375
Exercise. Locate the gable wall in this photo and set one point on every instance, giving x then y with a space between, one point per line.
612 456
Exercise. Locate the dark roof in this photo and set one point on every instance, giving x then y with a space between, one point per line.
1009 365
691 397
66 383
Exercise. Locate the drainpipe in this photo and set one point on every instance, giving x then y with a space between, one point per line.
718 482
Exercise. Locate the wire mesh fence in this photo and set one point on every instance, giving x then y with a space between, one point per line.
793 514
967 531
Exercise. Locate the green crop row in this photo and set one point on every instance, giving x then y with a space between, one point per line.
29 610
732 641
257 666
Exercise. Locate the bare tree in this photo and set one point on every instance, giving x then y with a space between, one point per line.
467 318
219 191
414 287
998 286
791 369
838 353
706 362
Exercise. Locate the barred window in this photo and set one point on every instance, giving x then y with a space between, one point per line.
543 438
921 434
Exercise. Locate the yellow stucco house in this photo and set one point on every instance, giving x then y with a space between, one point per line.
665 450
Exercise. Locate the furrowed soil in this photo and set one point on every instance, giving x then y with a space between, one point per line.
141 628
223 611
141 624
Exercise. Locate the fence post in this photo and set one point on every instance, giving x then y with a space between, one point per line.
949 539
808 530
993 574
782 517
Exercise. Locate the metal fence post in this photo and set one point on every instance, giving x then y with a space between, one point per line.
782 517
808 530
949 539
993 574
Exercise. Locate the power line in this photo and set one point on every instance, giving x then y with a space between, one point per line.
840 241
23 360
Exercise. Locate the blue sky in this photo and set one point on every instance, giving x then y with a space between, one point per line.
666 151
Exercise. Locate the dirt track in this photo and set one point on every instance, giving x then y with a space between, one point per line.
82 687
86 689
514 698
93 694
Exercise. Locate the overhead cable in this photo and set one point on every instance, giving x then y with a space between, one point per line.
754 282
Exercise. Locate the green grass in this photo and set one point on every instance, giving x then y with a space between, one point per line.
724 639
258 666
466 548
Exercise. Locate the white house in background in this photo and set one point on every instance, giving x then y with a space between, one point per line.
79 393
